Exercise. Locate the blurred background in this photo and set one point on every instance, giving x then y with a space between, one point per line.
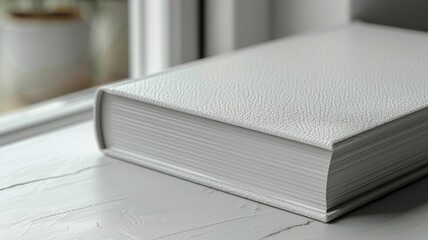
50 48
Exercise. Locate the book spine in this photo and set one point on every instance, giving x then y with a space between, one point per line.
98 118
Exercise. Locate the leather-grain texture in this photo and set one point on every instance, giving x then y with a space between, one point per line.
318 88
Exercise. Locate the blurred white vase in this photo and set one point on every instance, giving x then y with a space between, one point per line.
42 59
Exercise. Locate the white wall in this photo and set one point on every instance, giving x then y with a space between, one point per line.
406 14
233 24
295 16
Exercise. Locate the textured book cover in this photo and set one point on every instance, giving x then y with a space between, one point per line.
328 89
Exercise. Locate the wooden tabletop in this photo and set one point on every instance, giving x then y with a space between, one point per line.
59 186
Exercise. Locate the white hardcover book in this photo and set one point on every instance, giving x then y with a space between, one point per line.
318 124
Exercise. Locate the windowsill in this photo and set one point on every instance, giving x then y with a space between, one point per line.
46 116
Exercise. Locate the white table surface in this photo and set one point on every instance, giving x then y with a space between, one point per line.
59 186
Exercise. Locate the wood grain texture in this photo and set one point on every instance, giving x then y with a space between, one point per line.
59 186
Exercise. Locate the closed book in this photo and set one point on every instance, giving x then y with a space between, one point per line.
317 124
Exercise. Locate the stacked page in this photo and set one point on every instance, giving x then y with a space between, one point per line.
317 124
